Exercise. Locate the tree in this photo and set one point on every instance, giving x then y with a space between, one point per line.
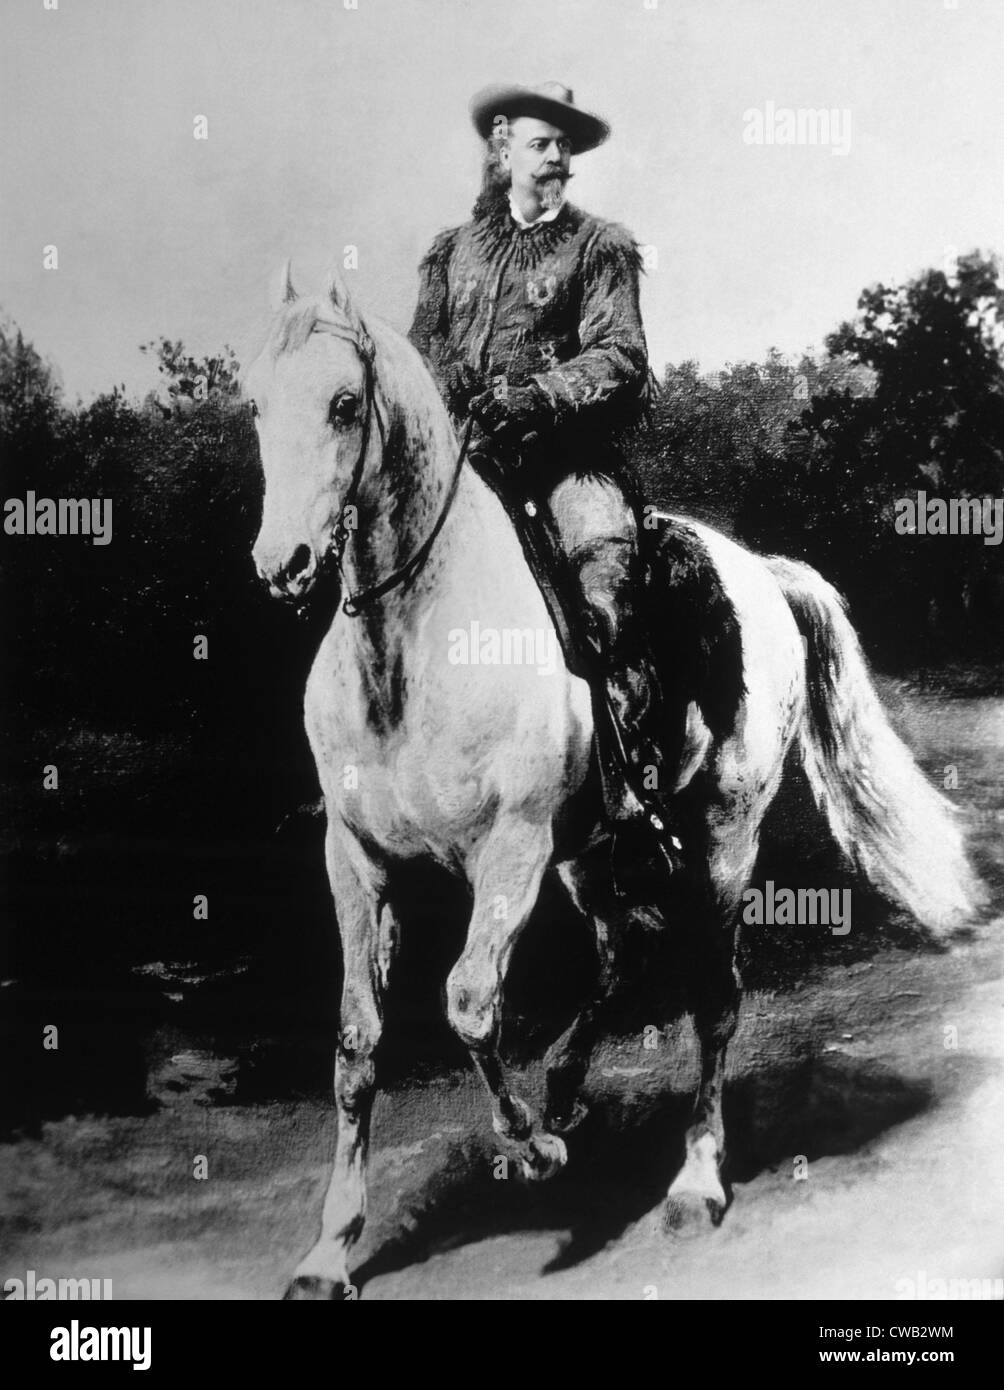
30 392
191 379
934 423
710 433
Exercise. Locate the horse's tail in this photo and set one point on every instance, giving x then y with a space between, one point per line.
894 827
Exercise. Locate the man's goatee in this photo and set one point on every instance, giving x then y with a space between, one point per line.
552 193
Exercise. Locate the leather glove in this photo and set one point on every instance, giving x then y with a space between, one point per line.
507 417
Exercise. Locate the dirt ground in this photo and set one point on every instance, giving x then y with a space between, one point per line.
879 1078
901 1134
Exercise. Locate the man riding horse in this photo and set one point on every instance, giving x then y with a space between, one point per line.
528 317
534 330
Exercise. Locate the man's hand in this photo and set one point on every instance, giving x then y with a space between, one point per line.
461 385
509 415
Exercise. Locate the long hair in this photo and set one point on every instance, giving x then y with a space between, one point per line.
495 181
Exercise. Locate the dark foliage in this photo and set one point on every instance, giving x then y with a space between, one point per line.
809 461
175 773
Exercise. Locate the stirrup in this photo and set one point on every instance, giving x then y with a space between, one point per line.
670 844
654 858
639 810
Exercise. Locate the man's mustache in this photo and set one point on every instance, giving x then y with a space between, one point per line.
549 175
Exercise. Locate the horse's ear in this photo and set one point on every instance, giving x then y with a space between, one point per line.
338 292
341 299
284 291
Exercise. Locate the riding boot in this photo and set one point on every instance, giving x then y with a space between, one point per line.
636 778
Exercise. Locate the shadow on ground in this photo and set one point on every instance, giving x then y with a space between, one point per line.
622 1156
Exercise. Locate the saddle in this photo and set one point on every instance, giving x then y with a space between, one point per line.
693 627
688 621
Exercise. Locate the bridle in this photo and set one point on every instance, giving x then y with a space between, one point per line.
354 605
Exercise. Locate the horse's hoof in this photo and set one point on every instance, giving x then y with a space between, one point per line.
689 1213
314 1288
546 1155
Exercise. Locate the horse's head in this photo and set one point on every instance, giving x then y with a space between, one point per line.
311 391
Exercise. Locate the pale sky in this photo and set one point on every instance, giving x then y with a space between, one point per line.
331 126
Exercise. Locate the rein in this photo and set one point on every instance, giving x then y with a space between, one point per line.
354 605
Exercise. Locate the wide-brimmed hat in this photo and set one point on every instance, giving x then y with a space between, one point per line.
551 101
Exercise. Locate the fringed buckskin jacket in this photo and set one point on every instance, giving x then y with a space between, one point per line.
555 304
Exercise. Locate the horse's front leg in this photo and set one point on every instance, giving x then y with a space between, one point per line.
368 931
587 882
505 874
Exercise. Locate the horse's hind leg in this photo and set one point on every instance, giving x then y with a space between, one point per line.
697 1194
369 937
505 875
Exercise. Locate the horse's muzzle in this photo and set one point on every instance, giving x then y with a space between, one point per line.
293 578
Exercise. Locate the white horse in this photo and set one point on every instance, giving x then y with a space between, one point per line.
422 754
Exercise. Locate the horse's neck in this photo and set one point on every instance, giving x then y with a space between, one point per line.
407 483
406 475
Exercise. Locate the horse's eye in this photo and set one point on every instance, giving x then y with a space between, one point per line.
342 410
